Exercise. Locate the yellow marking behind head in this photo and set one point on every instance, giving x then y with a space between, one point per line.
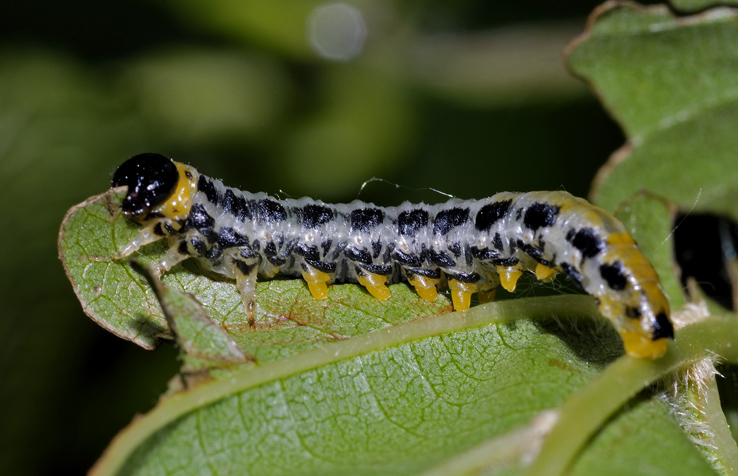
177 205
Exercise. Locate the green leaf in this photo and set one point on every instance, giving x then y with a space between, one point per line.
111 294
395 401
402 395
194 331
670 82
646 425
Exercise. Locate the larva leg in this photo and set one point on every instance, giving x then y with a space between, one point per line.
424 286
246 277
145 236
509 276
317 281
172 257
486 294
376 284
461 293
544 273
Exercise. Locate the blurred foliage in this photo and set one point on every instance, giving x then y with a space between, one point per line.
241 94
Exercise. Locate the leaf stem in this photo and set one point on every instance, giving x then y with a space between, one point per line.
585 411
726 449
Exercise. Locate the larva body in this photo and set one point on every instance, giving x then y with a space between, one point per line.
473 246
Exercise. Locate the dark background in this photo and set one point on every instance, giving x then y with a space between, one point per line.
464 97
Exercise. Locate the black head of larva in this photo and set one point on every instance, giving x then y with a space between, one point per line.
151 179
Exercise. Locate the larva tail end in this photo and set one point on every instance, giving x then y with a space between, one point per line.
641 346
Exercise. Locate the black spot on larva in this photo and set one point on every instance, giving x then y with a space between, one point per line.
633 312
214 252
229 238
326 246
387 253
198 245
365 219
446 220
455 248
614 275
405 259
200 219
276 260
159 230
662 327
488 215
376 248
426 272
326 267
497 241
271 211
237 206
355 254
340 246
182 248
541 244
534 252
586 240
465 277
511 261
288 247
244 267
540 215
381 269
572 272
206 186
256 245
249 254
411 221
270 249
314 216
309 252
484 254
442 259
188 174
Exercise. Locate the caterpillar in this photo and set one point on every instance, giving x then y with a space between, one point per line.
470 246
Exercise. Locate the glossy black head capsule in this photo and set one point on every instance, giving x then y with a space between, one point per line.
151 179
